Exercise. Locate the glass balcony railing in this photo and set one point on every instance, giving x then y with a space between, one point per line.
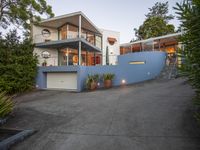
40 38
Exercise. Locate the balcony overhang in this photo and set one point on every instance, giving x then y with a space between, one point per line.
72 18
70 43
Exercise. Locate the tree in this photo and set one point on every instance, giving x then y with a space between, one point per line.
188 13
18 65
160 10
156 22
22 13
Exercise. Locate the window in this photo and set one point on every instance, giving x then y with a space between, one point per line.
72 32
63 32
98 41
46 33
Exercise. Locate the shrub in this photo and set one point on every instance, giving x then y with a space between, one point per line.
6 105
189 12
18 66
90 79
108 76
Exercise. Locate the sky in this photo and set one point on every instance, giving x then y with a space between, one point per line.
117 15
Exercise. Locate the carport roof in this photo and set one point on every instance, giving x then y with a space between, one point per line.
165 38
71 43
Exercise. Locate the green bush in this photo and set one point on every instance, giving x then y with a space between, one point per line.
18 66
188 13
6 105
108 76
90 79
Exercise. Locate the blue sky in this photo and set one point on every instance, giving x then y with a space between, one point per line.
119 15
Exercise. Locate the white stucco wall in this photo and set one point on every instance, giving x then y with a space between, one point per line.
52 61
114 50
37 34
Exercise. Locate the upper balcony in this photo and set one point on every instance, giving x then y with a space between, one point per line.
67 29
47 37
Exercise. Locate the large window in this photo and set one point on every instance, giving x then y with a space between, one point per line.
63 32
98 41
68 57
72 32
90 37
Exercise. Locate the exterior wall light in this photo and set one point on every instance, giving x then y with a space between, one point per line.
123 81
98 84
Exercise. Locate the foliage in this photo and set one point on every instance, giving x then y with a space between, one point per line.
160 10
91 78
6 105
156 22
108 76
18 66
23 12
189 14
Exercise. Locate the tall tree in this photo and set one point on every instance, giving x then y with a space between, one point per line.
160 10
189 15
156 22
22 13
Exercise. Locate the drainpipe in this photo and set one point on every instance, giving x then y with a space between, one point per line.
131 49
140 46
159 44
153 45
79 44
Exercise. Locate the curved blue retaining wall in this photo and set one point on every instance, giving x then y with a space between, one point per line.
131 73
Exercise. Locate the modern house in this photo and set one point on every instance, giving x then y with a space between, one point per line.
72 39
69 47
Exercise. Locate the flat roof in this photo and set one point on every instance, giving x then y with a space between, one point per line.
152 39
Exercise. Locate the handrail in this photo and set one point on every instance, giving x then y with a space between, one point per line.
173 67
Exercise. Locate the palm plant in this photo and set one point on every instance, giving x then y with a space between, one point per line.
6 105
188 13
91 81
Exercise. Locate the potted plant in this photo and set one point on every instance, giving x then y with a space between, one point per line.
44 63
91 81
107 79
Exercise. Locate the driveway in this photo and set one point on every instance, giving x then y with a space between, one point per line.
155 115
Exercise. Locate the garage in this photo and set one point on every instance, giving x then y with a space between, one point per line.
61 80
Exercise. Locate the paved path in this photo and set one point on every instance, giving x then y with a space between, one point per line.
148 116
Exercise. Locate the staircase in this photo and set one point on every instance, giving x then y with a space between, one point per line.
170 71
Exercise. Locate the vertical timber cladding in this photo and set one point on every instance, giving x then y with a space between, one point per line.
62 80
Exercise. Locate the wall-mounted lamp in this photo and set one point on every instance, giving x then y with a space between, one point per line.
123 81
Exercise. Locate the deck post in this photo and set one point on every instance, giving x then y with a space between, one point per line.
79 44
159 45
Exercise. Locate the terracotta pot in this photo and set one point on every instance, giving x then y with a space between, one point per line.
108 83
93 86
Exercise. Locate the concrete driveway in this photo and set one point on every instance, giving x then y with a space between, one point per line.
153 115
